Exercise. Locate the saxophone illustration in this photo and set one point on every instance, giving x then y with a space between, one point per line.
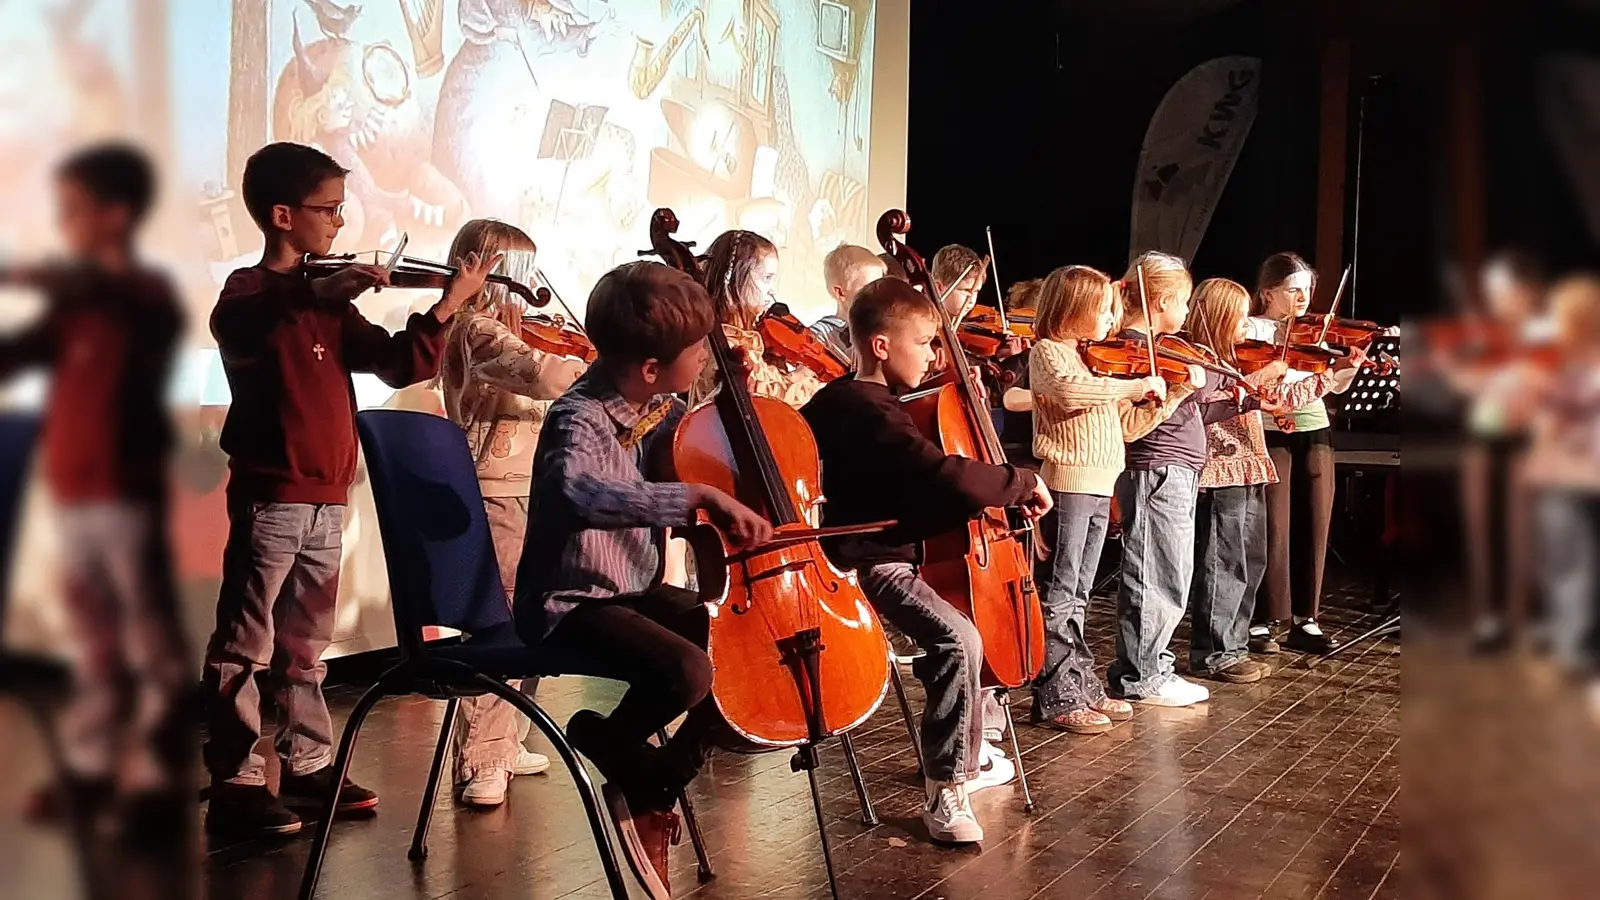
649 65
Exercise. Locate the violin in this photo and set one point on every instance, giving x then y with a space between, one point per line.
985 568
1018 321
1123 358
786 340
410 272
797 652
1254 356
554 333
1317 329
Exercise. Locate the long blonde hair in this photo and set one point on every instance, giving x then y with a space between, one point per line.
1165 277
487 237
1215 311
1069 301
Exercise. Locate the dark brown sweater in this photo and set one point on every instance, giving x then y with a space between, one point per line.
876 465
108 340
290 435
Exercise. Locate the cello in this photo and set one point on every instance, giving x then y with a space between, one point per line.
797 653
985 569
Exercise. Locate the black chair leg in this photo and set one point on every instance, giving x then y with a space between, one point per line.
702 857
580 775
430 794
341 768
869 816
905 713
1004 697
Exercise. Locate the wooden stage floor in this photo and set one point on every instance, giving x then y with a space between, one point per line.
1285 789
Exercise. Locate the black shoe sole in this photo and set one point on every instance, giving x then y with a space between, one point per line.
230 830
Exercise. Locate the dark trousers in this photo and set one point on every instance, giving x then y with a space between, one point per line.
1230 557
1299 512
655 641
1076 532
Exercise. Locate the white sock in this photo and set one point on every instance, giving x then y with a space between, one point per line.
1260 631
1309 626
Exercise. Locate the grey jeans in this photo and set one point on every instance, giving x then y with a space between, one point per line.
950 672
1157 563
1076 530
1230 557
125 714
280 580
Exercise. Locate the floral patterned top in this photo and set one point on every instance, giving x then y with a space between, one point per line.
1236 448
498 389
794 385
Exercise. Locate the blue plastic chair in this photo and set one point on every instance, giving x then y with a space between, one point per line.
443 572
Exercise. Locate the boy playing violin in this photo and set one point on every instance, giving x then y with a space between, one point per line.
847 269
876 465
587 581
289 344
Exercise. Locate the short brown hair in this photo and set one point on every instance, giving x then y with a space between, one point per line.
1069 302
284 174
1024 294
646 310
843 261
115 174
954 262
882 302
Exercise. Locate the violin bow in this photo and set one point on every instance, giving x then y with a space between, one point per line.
545 279
994 266
1149 337
1334 309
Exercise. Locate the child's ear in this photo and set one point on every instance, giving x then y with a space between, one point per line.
880 346
282 217
650 371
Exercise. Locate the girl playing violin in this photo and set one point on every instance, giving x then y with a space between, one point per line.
1156 495
498 389
1300 504
741 276
1080 421
1230 545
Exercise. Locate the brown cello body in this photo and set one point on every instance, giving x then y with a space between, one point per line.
985 568
797 653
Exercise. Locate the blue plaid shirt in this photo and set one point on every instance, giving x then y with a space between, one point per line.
594 523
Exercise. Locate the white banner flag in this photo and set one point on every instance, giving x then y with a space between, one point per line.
1189 151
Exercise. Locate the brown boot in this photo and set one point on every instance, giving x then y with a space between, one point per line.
646 837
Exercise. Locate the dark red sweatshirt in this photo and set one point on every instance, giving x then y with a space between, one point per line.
876 465
290 435
109 341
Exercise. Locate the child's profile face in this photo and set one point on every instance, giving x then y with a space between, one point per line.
763 287
964 294
905 350
312 225
679 375
86 223
1105 319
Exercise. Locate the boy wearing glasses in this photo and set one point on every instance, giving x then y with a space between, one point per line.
289 344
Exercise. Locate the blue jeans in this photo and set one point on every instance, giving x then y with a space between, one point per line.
1157 562
950 672
1230 557
1076 531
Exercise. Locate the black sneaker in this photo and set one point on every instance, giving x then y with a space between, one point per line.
248 811
1304 641
311 791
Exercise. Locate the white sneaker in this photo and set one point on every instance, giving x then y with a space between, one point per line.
530 763
487 788
994 770
1176 692
948 814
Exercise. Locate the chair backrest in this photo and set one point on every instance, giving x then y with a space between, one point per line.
18 432
436 542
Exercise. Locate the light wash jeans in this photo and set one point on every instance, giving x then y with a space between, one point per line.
280 579
1157 563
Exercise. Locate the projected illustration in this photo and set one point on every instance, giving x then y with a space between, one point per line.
571 118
